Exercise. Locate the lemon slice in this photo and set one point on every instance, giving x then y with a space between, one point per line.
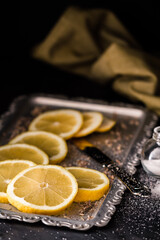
92 184
54 146
24 152
8 170
43 189
64 123
106 125
91 121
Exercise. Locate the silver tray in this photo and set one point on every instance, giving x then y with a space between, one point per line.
123 143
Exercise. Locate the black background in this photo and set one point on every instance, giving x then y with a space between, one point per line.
22 27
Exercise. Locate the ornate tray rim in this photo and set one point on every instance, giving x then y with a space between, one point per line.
112 201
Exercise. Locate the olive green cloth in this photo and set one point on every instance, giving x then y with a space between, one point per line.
95 44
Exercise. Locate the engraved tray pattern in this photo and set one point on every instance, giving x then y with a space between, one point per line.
123 143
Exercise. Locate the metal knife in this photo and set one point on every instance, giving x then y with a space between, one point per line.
135 186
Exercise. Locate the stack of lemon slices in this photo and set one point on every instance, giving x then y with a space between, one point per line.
71 123
31 182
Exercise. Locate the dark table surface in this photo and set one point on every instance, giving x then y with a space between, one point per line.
135 218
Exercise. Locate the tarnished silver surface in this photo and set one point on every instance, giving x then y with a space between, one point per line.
123 143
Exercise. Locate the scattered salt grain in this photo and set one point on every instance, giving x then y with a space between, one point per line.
156 190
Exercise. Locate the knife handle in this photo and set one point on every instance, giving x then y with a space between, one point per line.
136 187
129 181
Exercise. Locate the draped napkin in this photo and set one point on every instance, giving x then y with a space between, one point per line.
95 44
